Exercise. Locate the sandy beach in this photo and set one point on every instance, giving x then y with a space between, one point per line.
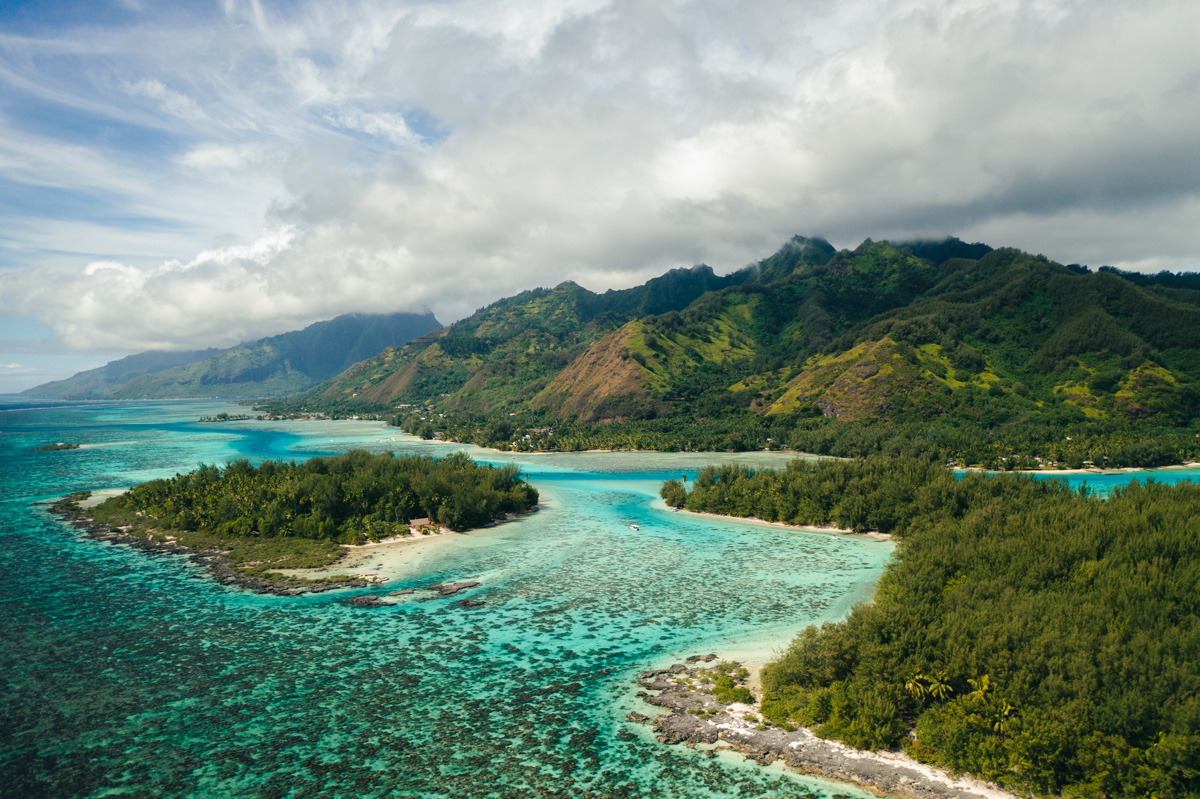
806 528
1083 470
1123 470
386 561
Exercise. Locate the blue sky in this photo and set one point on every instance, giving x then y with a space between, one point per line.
195 174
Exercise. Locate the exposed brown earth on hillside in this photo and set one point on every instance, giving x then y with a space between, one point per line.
603 383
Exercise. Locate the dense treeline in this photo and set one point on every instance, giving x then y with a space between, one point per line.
1025 633
888 495
1046 443
348 499
1063 443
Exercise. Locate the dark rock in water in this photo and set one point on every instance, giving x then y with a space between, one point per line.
656 682
403 592
449 589
367 601
472 603
635 716
675 729
678 668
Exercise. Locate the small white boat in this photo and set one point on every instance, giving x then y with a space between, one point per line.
634 527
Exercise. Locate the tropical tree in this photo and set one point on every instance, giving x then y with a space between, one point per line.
916 687
1002 721
980 688
938 687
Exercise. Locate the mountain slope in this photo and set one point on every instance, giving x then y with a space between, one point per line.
103 380
967 350
275 366
502 356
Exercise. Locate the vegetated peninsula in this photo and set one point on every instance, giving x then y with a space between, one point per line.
249 522
1025 633
946 350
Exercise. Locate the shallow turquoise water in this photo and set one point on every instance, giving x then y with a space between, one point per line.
133 675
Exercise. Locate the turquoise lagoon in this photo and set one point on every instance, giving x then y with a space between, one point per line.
133 675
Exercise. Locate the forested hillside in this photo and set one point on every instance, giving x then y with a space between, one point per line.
502 356
103 380
275 366
939 348
1025 633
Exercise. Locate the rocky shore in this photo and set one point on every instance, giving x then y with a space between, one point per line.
218 565
435 591
697 719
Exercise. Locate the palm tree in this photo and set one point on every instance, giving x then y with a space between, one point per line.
938 687
1003 718
982 686
916 687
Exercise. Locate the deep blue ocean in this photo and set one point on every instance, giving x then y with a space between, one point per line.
126 674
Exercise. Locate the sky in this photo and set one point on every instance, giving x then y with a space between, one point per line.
195 174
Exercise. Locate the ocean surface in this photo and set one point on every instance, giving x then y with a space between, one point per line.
127 674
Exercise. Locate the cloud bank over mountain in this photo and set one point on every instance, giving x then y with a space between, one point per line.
205 175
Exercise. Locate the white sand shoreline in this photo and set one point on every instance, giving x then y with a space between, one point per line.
1085 470
810 528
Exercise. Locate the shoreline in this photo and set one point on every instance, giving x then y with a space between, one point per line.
319 579
783 452
215 561
221 568
736 727
1098 470
808 528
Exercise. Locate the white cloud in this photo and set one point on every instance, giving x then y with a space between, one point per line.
373 156
389 126
209 159
170 102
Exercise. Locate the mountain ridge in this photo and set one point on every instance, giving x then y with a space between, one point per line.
814 348
277 365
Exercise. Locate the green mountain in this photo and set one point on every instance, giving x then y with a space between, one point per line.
954 344
275 366
501 357
103 380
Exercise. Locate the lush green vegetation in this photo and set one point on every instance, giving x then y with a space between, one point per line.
289 515
726 689
276 366
1069 442
943 350
1025 632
